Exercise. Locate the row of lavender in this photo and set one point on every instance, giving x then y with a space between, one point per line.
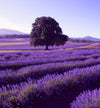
54 55
26 79
13 76
29 91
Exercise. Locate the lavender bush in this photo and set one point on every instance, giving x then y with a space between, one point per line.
87 99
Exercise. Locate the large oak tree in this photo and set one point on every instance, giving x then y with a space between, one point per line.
46 32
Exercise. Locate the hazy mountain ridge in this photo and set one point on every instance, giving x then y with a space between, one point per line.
91 38
12 32
9 32
88 38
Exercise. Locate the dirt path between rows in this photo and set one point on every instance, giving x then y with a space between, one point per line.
24 50
14 43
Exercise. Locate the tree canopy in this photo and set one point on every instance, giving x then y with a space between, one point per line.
46 32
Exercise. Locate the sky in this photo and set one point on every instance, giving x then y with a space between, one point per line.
77 18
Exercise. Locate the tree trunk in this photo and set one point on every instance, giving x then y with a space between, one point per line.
46 48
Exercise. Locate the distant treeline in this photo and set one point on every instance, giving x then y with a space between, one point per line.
80 40
15 36
27 36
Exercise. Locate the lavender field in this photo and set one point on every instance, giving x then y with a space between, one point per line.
63 77
22 44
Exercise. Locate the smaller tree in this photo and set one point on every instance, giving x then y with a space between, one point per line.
46 31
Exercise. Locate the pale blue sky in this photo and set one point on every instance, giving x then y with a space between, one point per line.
77 18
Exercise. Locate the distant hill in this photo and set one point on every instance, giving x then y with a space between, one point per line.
91 38
9 32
